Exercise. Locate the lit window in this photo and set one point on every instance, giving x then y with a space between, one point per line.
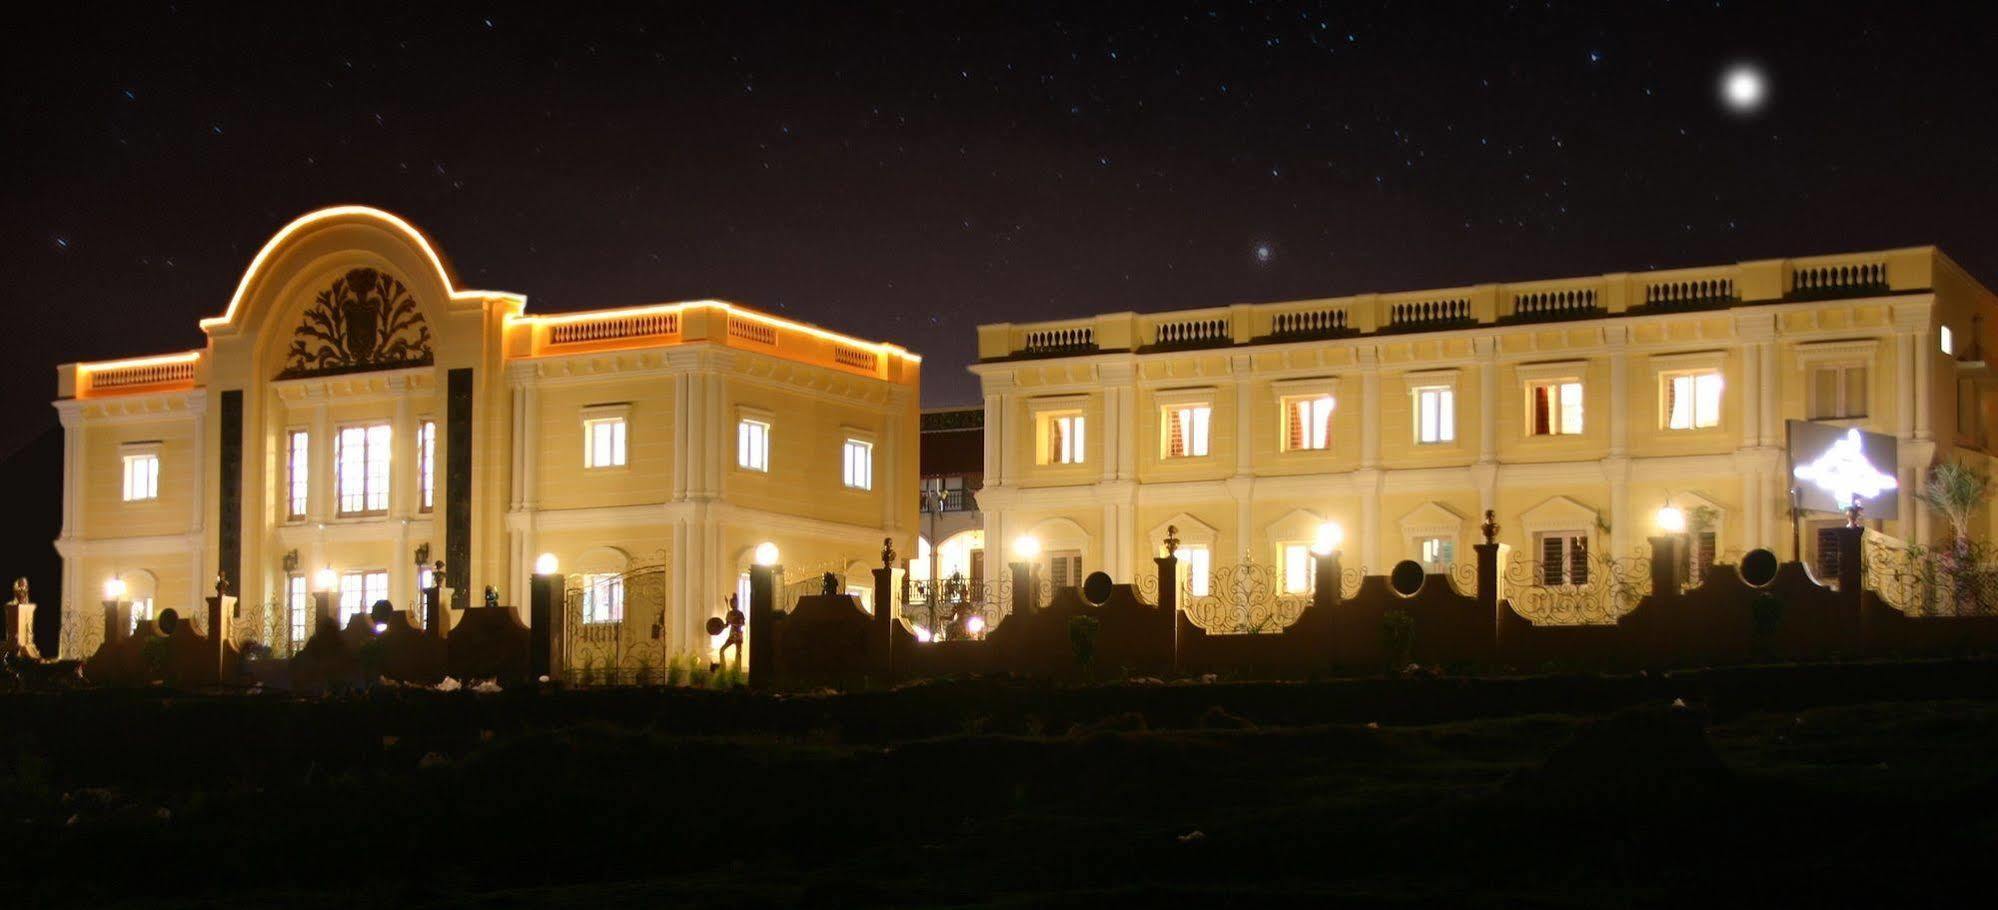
360 591
1196 567
603 597
741 594
1564 558
426 465
142 476
1064 435
603 442
361 468
1557 408
1838 392
142 612
1435 414
1308 422
858 464
1186 430
298 473
1437 553
1693 400
752 445
1297 568
1947 341
298 609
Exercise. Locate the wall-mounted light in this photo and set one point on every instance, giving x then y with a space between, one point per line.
766 554
546 564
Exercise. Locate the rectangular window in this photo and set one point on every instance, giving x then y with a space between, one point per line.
1064 435
1692 400
603 442
298 473
361 468
1437 553
1064 569
1557 408
360 591
426 465
603 597
1435 415
1564 558
297 610
752 445
1298 571
858 464
142 476
1186 430
1196 569
1308 423
1838 392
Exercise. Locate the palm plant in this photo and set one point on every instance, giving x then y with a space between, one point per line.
1955 491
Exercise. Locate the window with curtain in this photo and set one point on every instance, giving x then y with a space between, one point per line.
361 468
1196 569
1064 433
1436 553
1692 400
1557 408
1186 430
1308 423
1298 574
1435 415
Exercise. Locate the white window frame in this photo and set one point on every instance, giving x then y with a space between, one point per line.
369 585
1559 377
1318 393
426 464
376 475
297 473
856 457
606 436
1703 411
139 463
1437 390
603 598
1192 411
752 440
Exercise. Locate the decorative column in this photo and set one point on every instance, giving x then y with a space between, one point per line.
1485 472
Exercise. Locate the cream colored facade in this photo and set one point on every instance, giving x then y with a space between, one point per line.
1768 330
508 395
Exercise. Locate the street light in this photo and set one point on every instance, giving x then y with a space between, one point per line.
326 579
1330 535
546 564
1672 520
766 554
114 589
1027 547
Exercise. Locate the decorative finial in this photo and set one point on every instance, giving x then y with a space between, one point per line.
221 584
21 590
1491 526
1172 540
887 552
1852 513
492 596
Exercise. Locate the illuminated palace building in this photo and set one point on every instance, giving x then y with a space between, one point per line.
354 408
1576 409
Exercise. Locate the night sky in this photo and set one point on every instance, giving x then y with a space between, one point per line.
906 172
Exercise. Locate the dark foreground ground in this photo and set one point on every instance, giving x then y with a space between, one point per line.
1815 786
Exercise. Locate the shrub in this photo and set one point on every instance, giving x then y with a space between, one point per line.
1082 634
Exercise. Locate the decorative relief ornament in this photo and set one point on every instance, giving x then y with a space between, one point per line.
365 321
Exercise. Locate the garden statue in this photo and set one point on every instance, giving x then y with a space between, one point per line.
1172 540
733 626
887 552
1491 526
829 585
21 590
492 597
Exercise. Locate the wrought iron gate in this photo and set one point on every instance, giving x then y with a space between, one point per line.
614 628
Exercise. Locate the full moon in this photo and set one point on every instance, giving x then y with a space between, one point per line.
1743 88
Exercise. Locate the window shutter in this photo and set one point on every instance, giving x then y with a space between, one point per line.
1296 419
1828 554
1578 560
1550 560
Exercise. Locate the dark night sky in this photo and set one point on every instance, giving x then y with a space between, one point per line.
905 172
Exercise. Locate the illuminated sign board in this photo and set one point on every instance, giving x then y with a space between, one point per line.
1830 466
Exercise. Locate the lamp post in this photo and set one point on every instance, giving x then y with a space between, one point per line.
1326 583
117 611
